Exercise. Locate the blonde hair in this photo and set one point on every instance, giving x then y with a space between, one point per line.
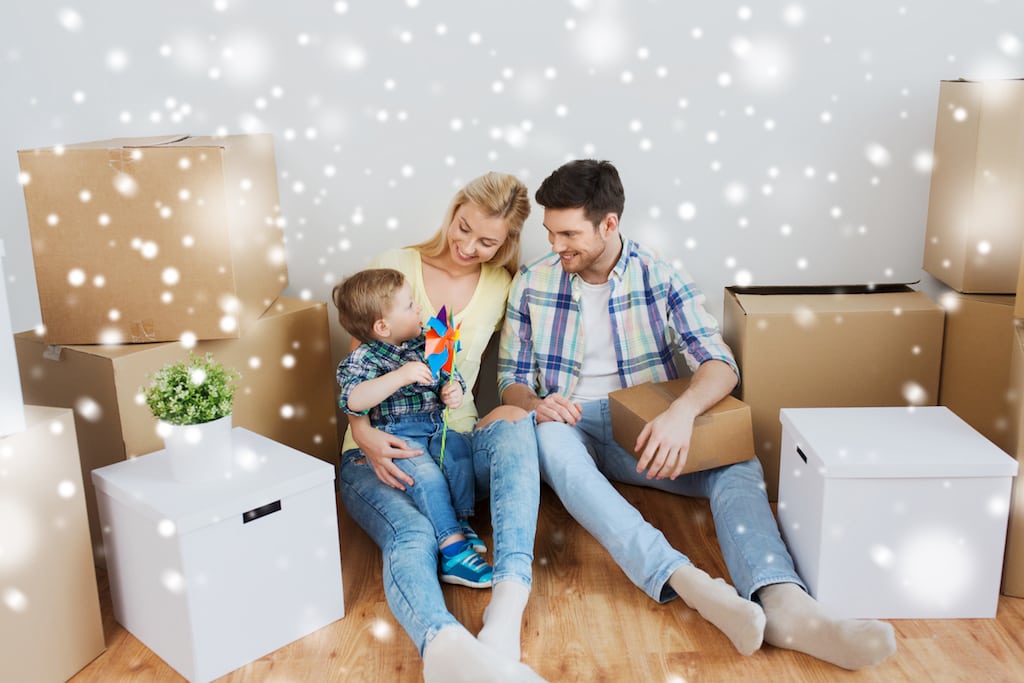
364 298
499 195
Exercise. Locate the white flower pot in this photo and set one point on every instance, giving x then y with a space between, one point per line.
200 452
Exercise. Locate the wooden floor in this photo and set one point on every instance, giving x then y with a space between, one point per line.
586 621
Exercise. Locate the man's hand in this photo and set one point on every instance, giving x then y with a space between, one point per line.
451 395
557 408
664 443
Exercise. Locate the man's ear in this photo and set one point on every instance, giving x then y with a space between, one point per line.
381 328
610 223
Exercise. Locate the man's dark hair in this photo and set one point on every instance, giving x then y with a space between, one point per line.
587 184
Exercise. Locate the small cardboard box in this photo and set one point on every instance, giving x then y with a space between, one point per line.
286 391
1013 567
894 513
51 608
215 574
807 347
147 239
721 436
975 380
975 227
12 409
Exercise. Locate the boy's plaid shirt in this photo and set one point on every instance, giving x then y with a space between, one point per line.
376 358
655 310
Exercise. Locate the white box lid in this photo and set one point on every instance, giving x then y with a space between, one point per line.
265 471
919 442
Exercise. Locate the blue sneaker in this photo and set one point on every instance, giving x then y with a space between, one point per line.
471 537
465 568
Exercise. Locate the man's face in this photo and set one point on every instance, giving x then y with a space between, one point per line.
583 248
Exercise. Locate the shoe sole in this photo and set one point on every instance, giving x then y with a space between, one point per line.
459 581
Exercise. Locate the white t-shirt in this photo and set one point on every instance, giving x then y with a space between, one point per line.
599 373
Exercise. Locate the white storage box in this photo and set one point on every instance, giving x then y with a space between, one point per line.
894 513
213 575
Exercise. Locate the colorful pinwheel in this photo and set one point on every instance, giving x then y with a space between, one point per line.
441 347
442 343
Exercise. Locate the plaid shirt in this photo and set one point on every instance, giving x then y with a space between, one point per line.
376 358
655 311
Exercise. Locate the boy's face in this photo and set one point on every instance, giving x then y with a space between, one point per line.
403 320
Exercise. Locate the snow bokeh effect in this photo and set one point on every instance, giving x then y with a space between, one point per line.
768 143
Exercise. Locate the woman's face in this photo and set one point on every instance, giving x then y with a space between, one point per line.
473 236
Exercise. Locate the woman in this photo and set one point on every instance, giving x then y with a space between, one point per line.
466 267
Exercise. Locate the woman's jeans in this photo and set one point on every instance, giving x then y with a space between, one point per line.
505 465
443 490
578 462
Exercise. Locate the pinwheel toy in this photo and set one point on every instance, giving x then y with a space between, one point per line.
441 347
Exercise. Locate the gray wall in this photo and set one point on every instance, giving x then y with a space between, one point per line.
768 142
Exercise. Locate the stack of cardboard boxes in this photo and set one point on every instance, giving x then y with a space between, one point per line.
50 607
974 244
147 249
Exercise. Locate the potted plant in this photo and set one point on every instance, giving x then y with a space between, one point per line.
193 400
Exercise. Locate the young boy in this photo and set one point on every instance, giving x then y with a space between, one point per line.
386 377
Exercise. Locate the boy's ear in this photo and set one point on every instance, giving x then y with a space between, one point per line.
381 328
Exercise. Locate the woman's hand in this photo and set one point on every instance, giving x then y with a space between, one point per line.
380 448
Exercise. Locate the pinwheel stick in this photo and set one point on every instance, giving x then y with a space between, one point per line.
442 343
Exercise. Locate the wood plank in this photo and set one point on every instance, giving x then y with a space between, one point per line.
585 620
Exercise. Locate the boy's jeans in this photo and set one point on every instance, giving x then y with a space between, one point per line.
442 492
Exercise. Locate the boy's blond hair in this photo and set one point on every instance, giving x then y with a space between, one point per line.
364 298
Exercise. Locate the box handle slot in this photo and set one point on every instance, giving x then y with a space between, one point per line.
261 511
801 454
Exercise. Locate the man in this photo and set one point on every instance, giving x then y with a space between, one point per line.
600 314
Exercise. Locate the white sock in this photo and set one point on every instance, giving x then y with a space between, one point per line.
503 618
796 621
455 656
741 620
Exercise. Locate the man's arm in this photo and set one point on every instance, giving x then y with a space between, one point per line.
551 408
664 442
516 364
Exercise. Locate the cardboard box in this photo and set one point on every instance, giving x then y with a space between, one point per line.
975 209
51 608
1013 563
12 409
976 351
894 513
213 575
721 436
807 347
148 239
1018 311
286 391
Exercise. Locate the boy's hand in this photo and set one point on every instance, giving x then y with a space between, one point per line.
415 373
451 395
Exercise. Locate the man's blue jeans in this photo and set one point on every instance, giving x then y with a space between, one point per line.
578 462
443 493
505 466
